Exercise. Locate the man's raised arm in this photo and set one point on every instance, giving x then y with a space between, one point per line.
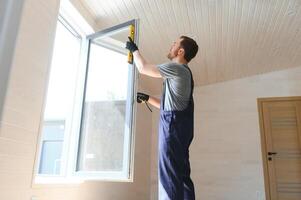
143 66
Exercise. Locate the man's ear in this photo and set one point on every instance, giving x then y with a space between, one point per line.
181 51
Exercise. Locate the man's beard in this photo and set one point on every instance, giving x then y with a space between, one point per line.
170 56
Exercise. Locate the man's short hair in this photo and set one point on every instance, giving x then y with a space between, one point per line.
190 47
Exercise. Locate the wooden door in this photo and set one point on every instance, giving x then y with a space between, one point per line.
281 146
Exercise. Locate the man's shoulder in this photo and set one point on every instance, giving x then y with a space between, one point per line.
171 63
174 65
173 70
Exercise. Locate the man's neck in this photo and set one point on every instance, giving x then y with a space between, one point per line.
180 60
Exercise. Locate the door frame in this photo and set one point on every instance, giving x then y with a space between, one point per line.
260 102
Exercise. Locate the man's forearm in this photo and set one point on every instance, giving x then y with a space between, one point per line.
144 67
154 101
139 61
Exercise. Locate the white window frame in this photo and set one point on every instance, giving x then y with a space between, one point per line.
127 174
68 174
64 176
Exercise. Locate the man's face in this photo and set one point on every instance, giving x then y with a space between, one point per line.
174 49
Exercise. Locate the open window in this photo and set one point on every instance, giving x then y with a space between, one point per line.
105 148
88 121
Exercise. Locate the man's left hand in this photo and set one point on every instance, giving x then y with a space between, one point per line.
131 46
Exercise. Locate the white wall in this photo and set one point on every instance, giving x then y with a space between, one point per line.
19 127
225 154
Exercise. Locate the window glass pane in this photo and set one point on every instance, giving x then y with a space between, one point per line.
52 147
59 100
53 137
104 131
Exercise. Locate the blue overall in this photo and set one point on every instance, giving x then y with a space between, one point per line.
175 136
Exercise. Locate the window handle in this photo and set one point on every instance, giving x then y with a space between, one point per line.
272 153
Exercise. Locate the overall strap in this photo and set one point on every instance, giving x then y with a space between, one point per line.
163 96
192 81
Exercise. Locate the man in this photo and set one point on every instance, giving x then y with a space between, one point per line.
176 116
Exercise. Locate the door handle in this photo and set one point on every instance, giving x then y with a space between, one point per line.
272 153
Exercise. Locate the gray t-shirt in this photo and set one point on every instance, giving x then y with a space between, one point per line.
176 85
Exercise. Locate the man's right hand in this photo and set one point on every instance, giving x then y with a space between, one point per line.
141 97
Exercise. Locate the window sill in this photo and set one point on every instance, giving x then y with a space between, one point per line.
57 181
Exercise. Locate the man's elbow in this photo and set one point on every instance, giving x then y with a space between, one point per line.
141 70
140 67
149 70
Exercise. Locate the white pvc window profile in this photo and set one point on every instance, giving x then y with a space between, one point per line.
70 172
96 170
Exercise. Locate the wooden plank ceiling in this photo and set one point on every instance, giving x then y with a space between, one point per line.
237 38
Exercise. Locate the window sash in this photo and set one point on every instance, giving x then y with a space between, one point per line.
128 150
